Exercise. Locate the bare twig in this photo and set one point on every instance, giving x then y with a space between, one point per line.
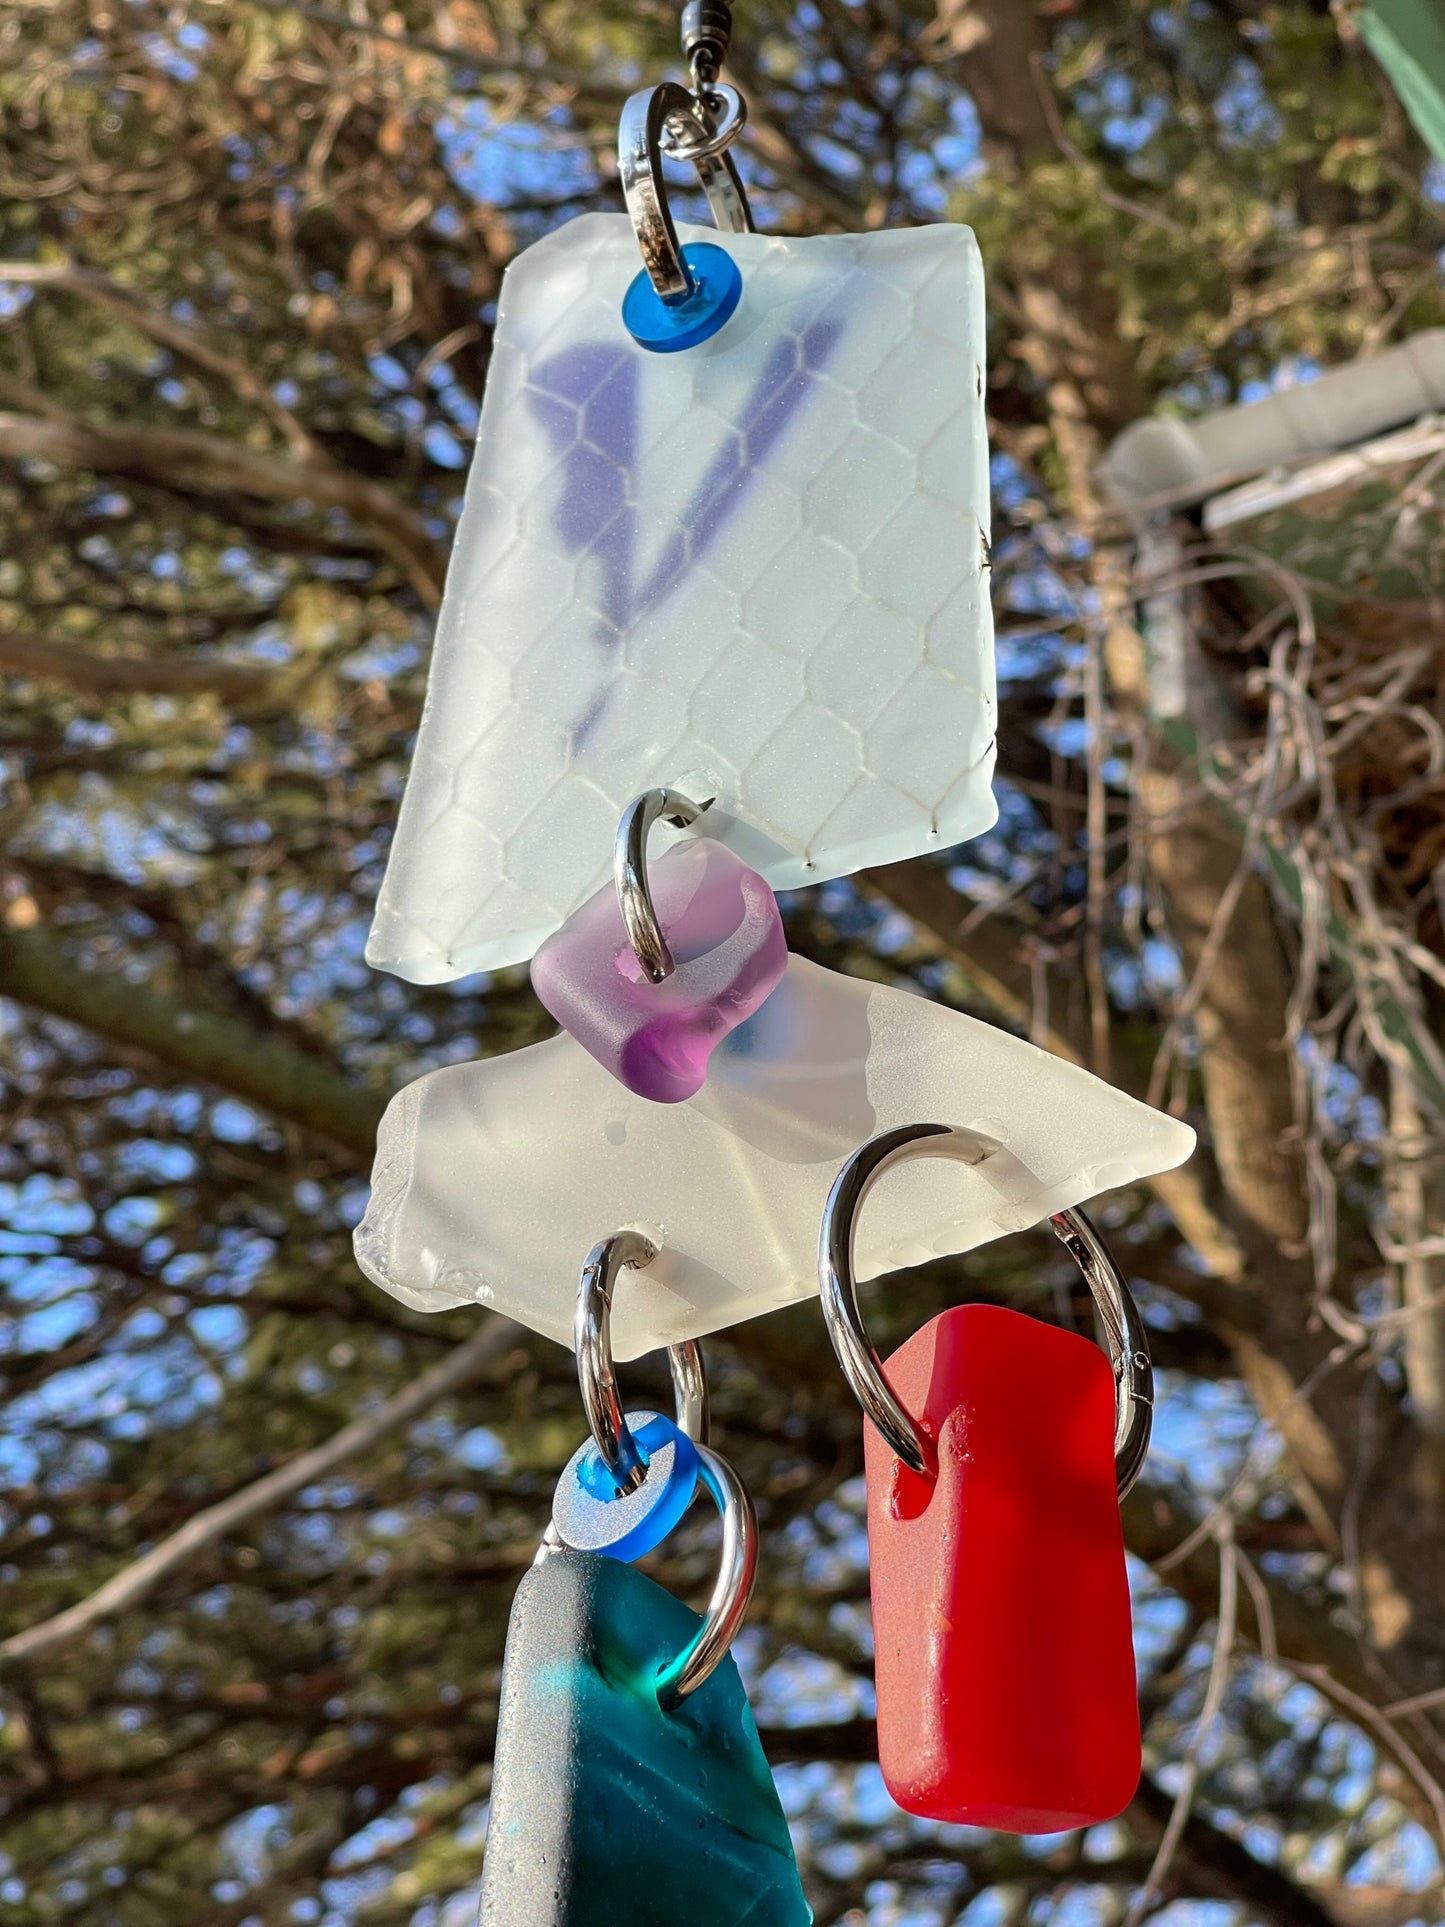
138 1580
1226 1505
1096 835
1380 1723
1259 1598
1152 1892
1121 203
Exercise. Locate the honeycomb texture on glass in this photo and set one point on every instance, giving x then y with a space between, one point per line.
756 571
493 1180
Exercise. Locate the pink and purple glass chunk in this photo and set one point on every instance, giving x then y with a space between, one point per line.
722 925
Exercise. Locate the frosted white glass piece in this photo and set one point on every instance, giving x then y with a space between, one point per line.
756 570
493 1180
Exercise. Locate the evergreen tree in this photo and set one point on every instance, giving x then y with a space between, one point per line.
247 282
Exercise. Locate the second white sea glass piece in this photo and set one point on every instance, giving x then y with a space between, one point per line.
493 1180
756 570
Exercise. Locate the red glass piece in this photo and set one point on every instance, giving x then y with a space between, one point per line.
1001 1621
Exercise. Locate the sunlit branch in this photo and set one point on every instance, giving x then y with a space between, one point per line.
138 1580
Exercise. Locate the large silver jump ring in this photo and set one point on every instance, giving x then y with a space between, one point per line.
734 1588
643 135
597 1375
1127 1337
629 866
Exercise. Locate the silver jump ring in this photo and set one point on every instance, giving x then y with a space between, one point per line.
705 1651
629 865
641 143
1127 1337
597 1375
712 124
689 1374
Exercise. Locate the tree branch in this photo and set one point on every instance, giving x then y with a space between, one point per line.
1213 1865
1210 1864
44 661
1241 1016
209 465
160 327
218 1049
990 962
1304 1632
138 1580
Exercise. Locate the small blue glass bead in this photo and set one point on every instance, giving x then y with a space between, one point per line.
667 326
591 1515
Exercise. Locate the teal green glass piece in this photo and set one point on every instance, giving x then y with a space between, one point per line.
1407 37
605 1809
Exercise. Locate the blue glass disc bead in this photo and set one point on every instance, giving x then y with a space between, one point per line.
668 326
592 1515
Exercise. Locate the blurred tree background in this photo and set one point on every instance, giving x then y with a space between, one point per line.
249 265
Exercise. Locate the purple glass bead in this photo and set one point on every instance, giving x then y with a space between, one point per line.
722 924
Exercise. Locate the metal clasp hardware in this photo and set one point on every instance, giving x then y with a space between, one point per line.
684 294
629 868
597 1377
1124 1329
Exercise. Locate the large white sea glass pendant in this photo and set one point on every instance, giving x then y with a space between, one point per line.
493 1180
756 570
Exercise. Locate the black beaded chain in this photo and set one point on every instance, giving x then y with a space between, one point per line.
707 30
